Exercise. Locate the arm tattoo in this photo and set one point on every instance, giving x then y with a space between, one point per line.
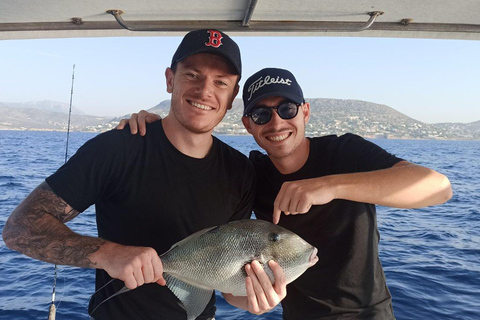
37 228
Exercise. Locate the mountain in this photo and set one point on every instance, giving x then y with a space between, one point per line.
328 116
368 119
25 118
337 116
46 105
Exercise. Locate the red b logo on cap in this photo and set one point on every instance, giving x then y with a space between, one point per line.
215 39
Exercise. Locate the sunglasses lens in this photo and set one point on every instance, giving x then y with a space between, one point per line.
287 110
261 115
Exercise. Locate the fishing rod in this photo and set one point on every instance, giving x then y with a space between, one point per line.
53 309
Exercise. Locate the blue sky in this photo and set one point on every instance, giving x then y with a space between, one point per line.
428 80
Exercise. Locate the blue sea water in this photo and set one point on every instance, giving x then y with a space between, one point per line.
431 256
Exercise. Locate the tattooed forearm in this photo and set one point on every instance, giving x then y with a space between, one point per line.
37 228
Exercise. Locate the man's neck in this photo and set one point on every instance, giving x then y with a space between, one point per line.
195 145
295 161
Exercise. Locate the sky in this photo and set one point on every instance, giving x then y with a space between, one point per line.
429 80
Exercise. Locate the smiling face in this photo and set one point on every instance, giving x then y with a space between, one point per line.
203 87
281 139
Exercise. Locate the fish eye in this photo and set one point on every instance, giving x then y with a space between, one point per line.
274 237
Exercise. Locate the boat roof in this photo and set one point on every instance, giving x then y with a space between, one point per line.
435 19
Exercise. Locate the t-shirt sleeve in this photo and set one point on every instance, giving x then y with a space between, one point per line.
360 155
92 172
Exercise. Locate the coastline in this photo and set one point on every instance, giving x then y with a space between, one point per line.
373 137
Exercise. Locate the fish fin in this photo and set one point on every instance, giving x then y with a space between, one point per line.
187 239
193 299
120 291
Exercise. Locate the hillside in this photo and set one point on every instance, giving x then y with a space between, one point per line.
46 105
328 116
37 119
336 116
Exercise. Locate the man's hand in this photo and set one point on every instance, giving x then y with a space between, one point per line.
297 197
135 266
138 122
262 296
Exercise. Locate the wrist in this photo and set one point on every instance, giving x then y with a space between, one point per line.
101 255
337 186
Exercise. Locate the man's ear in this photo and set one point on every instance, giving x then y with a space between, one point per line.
246 124
306 111
169 76
235 92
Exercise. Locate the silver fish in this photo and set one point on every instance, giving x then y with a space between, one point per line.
214 259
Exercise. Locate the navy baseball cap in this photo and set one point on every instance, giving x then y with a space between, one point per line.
209 41
270 82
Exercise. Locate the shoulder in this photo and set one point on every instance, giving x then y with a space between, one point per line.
257 157
361 154
230 154
153 130
352 138
228 150
334 142
117 138
352 141
334 139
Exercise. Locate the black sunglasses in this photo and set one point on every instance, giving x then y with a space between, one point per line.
286 110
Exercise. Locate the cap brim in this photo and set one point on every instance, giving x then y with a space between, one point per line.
294 97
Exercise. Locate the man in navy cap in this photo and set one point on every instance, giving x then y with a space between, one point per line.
151 192
327 188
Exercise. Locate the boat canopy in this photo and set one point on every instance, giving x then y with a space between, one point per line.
435 19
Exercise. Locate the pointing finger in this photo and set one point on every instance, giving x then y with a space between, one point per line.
276 206
276 215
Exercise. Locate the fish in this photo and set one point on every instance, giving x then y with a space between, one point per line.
215 258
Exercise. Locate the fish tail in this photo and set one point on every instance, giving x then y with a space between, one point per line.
122 290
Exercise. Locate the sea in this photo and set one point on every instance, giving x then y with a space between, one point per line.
431 256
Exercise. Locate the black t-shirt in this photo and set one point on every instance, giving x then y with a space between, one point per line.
147 193
348 280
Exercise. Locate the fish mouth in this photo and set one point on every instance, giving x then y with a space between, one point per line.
313 257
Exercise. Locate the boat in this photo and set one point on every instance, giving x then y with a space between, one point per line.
439 19
42 19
